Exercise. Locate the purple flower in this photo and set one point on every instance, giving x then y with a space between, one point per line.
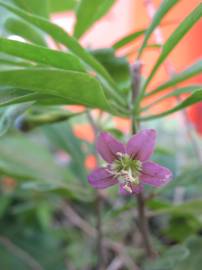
128 165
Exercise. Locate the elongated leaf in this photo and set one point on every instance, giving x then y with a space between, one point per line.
42 116
180 77
35 163
175 93
61 5
38 165
71 86
41 55
88 12
37 7
129 38
10 96
21 28
189 207
194 98
12 62
161 12
61 36
174 39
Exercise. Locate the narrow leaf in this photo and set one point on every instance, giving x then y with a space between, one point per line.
175 93
61 5
180 77
71 86
21 28
88 12
129 38
161 12
194 98
37 117
174 39
37 7
41 55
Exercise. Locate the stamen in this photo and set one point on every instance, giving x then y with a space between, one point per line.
126 170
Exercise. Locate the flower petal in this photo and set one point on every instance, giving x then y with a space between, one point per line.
108 146
141 145
100 178
135 189
155 174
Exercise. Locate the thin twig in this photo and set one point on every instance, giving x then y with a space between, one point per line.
84 226
20 253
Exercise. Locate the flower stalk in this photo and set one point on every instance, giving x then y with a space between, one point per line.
142 218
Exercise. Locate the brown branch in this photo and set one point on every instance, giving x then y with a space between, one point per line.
20 253
143 226
98 203
84 226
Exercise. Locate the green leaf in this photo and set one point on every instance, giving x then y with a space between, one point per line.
75 87
9 96
21 28
61 5
191 71
62 37
88 12
39 116
169 259
35 162
57 135
37 7
118 68
41 55
189 179
127 39
12 62
174 39
194 260
188 207
194 98
32 161
164 8
175 93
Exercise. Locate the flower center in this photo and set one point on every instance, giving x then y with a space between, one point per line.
126 170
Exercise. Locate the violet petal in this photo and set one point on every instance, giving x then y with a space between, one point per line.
100 178
155 174
108 146
141 145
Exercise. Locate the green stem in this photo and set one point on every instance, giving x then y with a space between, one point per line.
142 219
